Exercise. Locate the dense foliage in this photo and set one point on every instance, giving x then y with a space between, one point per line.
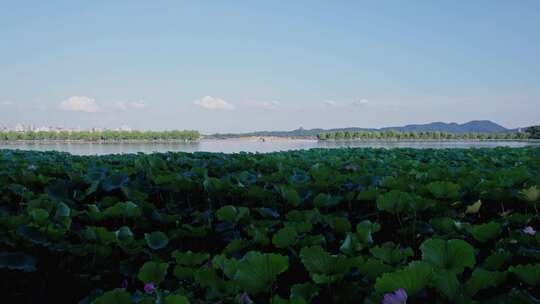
475 126
107 135
317 226
435 135
533 131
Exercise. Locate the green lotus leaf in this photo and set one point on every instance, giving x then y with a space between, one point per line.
443 224
370 194
115 296
278 300
209 280
60 190
235 246
183 272
305 291
259 235
323 200
317 260
529 274
391 253
497 260
290 195
268 213
485 232
130 209
176 299
311 240
231 213
373 268
62 211
124 234
214 185
99 234
394 201
482 279
339 224
300 227
364 231
190 258
228 266
153 272
413 279
323 267
303 215
256 272
285 237
113 182
39 215
446 282
19 190
444 190
17 261
156 240
227 213
531 194
451 255
125 209
519 218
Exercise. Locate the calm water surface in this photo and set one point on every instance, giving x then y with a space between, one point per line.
234 146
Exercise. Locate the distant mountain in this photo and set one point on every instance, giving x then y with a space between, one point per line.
475 126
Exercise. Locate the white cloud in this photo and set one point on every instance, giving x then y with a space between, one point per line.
214 103
265 105
360 102
79 104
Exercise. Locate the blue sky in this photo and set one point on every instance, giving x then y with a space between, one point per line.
231 66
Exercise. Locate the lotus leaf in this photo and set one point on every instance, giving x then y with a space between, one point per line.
153 272
116 296
256 272
413 279
529 274
285 237
176 299
451 255
156 240
444 190
485 232
482 279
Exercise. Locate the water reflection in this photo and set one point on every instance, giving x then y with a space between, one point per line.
237 145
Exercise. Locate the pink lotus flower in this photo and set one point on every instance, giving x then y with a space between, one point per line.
397 297
124 284
529 230
149 288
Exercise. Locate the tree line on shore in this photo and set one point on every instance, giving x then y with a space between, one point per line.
106 135
431 135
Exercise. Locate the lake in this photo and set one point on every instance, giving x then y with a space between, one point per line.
239 145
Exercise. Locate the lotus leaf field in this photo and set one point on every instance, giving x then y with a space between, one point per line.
315 226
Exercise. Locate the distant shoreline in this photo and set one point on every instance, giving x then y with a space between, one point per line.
248 139
81 141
